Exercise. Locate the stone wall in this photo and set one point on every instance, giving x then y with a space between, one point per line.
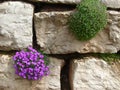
93 74
25 22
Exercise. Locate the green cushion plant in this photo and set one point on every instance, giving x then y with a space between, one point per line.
90 17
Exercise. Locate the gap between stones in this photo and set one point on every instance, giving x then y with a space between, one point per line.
118 52
11 52
34 39
49 7
64 76
113 9
42 6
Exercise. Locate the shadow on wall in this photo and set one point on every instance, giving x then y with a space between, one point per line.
42 6
48 7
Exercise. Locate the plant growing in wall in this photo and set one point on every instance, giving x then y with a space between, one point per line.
113 57
108 57
31 64
90 17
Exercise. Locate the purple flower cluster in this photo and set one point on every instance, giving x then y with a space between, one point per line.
30 64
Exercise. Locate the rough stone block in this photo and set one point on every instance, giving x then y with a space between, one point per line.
54 36
51 82
15 25
93 74
10 81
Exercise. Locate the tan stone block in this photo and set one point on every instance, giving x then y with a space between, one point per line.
93 74
54 36
10 81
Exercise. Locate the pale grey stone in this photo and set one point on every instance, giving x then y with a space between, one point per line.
54 36
52 81
15 25
93 74
112 3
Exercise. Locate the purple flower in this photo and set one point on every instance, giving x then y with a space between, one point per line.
31 49
30 64
41 56
35 78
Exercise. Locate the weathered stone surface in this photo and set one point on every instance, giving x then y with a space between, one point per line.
112 3
108 3
15 25
54 36
10 81
93 74
51 82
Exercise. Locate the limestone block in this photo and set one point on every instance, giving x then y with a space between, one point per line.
54 36
112 3
93 74
15 25
51 82
10 81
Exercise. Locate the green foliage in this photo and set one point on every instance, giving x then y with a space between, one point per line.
110 57
46 59
89 18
